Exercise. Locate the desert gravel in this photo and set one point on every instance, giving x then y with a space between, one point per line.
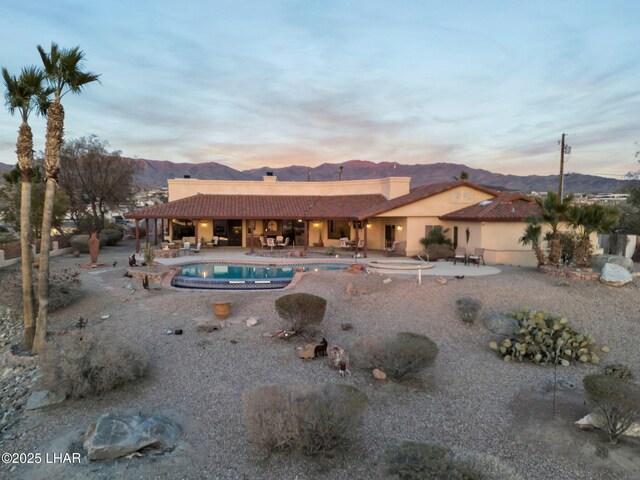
469 398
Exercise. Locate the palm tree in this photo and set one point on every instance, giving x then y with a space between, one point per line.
26 94
531 237
553 210
586 220
64 74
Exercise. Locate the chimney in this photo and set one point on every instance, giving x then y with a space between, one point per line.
270 177
187 176
340 173
309 174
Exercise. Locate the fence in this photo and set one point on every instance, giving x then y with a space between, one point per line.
10 252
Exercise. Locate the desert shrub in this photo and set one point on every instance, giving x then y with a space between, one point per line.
436 236
468 308
80 243
437 252
568 247
544 339
110 236
619 370
616 399
425 461
401 356
331 250
64 288
303 310
310 418
80 363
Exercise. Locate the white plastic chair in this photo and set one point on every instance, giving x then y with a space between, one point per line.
344 243
262 243
271 243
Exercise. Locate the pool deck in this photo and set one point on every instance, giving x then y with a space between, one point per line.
239 255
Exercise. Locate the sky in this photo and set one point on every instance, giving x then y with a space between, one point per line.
252 83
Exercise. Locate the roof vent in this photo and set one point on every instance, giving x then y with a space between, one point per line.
485 203
187 176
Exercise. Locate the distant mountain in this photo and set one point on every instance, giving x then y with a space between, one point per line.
154 173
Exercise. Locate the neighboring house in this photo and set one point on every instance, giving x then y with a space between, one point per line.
380 211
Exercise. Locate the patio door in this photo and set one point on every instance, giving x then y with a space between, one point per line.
235 233
389 234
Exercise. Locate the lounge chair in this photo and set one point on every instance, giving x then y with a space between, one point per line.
279 240
477 257
391 248
262 242
285 243
197 249
360 244
344 243
215 241
186 248
461 254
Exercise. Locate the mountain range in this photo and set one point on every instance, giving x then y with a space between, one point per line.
154 174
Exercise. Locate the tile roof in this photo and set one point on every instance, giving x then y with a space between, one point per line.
308 207
420 193
506 207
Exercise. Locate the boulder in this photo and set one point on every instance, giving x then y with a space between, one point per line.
501 324
44 398
596 420
599 261
114 436
615 275
252 322
308 351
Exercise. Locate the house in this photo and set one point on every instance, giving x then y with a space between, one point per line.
378 211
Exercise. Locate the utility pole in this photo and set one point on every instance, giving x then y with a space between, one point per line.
561 179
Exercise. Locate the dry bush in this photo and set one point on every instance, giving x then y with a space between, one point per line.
616 399
468 308
401 356
79 364
310 418
303 310
64 288
424 461
619 370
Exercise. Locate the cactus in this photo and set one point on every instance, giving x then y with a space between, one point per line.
544 339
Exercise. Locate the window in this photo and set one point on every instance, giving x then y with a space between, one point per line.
427 230
183 228
339 229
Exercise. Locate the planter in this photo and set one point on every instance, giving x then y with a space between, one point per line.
221 309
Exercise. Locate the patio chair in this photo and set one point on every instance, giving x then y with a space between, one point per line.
344 243
477 257
360 244
186 248
215 241
391 248
262 242
460 254
197 249
279 239
285 243
271 243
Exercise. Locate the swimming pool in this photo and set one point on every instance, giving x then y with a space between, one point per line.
240 276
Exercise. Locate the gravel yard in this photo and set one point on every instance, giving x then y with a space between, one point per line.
469 399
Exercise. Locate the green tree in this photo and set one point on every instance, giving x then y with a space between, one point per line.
553 210
586 220
64 73
464 175
95 179
26 94
11 201
531 237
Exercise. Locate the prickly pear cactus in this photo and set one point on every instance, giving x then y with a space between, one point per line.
544 339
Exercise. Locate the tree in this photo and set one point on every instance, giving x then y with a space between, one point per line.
95 179
464 175
553 210
586 220
11 201
531 237
64 73
26 94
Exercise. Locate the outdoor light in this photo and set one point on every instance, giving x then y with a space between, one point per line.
399 227
368 225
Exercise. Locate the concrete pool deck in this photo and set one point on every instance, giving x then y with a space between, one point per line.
239 255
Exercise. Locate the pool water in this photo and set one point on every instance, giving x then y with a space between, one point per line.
244 276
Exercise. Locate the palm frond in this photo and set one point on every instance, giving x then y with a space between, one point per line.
63 69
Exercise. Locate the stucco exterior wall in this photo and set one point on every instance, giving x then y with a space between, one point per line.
391 187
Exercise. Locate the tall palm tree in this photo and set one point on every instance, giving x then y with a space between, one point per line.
26 94
553 210
586 220
64 73
531 237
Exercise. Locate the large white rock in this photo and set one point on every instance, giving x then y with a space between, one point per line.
501 324
599 261
615 275
595 420
44 398
114 436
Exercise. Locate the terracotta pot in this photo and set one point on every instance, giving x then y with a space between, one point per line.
221 309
